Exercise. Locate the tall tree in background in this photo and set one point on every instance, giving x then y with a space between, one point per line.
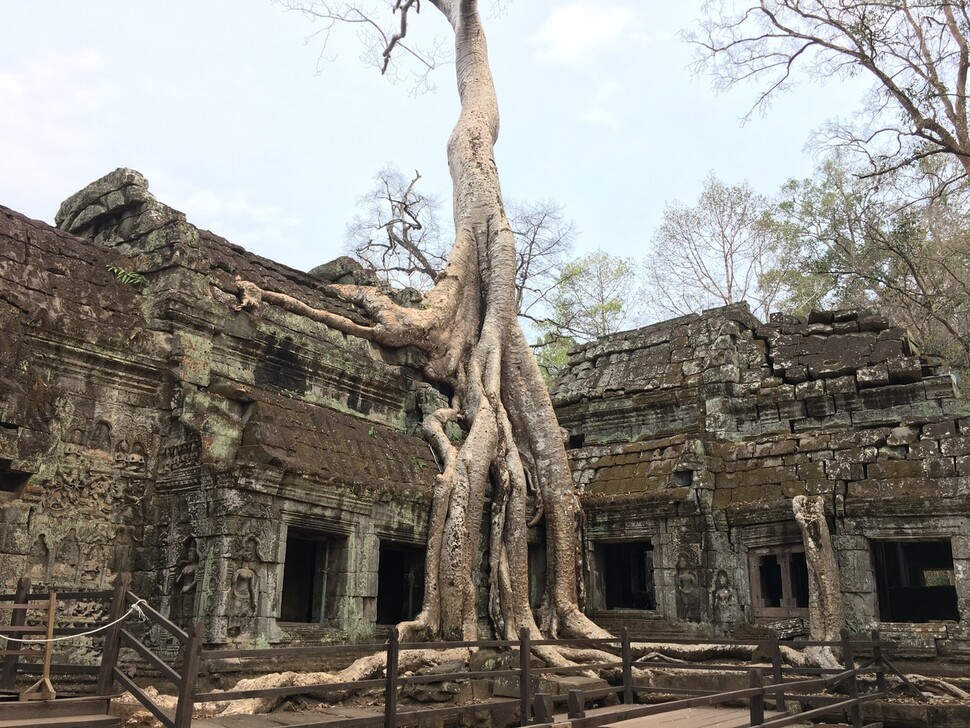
916 52
595 295
397 231
884 245
715 252
475 349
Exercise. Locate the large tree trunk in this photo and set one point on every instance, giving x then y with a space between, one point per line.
826 615
513 446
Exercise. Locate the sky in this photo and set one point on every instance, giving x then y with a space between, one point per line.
228 109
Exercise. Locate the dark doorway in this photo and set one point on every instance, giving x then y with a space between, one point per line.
628 575
400 583
915 581
310 572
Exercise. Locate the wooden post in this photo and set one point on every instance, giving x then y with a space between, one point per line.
18 618
880 665
627 667
777 675
576 703
542 704
757 680
112 636
191 658
390 692
43 689
525 677
848 660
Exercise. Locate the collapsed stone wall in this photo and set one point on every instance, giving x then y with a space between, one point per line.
150 427
694 435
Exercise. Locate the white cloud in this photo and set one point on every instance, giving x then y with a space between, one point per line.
234 214
577 33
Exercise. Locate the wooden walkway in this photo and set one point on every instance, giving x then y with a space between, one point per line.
706 717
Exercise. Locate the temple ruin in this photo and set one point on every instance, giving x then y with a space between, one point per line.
266 476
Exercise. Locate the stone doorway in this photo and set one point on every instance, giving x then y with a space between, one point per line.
400 582
313 564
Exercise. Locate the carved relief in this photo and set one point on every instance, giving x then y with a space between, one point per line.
724 602
67 559
688 591
38 560
244 588
187 581
101 439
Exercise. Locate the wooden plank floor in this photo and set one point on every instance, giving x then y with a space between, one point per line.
705 717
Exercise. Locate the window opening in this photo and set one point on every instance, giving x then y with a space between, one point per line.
914 580
310 571
779 582
11 480
628 575
400 582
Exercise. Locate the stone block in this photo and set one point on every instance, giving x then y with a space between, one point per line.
905 369
924 449
937 430
820 406
939 467
894 469
873 376
955 446
809 390
902 435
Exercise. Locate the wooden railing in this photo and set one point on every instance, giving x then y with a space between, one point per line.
23 640
533 707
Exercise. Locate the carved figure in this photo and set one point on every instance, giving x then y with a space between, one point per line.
38 560
67 558
724 603
245 580
101 439
688 598
188 579
135 461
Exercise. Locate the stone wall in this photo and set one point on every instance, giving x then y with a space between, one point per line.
148 426
694 435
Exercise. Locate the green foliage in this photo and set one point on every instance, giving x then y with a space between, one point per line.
899 245
127 277
594 296
552 353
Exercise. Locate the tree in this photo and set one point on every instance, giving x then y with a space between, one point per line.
884 245
398 234
543 239
715 252
397 231
476 351
593 295
593 298
916 53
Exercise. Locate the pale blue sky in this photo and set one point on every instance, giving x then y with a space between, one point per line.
217 103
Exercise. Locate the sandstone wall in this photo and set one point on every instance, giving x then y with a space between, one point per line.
697 433
150 427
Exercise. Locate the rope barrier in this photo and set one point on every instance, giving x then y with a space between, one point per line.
135 609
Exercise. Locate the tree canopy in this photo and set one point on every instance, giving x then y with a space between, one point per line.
915 52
